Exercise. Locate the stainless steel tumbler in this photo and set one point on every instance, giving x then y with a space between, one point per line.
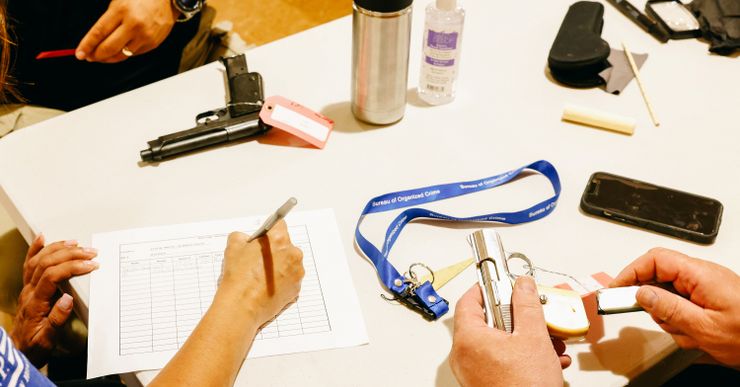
381 30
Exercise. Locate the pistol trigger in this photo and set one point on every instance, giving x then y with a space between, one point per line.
209 116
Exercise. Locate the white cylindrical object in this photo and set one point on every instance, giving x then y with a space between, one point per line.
617 300
599 119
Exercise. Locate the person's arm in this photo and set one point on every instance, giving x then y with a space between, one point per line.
483 356
15 369
707 317
259 279
40 314
137 25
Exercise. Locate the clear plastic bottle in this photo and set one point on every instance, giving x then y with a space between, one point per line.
441 51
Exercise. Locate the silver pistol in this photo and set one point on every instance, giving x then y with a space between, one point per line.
494 279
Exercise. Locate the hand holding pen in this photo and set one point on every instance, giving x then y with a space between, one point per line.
271 220
127 28
264 276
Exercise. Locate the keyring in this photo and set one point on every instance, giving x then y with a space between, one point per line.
527 261
415 278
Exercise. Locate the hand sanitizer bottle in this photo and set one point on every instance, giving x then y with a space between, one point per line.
441 51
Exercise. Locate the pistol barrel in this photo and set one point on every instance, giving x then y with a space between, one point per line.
206 135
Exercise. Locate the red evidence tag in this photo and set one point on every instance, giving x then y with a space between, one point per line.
55 54
298 120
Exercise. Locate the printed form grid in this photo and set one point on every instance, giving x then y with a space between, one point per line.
165 291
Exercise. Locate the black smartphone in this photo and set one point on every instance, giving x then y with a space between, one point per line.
664 210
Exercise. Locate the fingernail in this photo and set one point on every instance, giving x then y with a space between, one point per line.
92 264
70 242
90 250
526 284
65 302
38 237
646 297
80 54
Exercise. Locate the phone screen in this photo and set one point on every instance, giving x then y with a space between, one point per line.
645 201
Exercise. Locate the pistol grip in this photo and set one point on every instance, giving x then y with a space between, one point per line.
246 91
564 312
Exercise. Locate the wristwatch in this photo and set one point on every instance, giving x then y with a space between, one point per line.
188 8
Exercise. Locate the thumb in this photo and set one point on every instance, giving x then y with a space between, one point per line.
61 311
529 318
672 309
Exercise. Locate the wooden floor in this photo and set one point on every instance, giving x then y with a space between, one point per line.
262 21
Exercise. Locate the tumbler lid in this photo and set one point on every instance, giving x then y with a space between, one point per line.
384 5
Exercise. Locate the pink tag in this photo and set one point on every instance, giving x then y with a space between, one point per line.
297 120
602 278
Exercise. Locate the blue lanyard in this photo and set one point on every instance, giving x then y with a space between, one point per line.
422 297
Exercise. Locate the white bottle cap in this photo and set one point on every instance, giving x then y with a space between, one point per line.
446 5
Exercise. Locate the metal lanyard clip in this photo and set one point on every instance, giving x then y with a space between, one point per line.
411 299
420 297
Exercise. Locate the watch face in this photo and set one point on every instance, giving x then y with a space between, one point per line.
189 5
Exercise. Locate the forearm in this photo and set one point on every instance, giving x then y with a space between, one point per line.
215 350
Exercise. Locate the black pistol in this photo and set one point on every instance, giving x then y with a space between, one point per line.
238 120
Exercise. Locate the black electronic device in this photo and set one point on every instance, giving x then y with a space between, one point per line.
664 210
578 53
649 25
674 17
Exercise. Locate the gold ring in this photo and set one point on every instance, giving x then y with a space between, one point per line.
125 51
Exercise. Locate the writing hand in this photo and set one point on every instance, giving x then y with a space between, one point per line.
267 271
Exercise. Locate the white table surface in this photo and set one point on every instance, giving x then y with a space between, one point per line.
79 174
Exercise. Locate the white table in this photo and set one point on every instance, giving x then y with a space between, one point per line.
79 174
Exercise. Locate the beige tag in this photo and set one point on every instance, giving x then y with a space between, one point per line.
445 275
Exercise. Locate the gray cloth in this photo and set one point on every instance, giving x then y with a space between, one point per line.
619 75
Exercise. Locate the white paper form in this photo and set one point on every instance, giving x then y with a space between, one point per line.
154 285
